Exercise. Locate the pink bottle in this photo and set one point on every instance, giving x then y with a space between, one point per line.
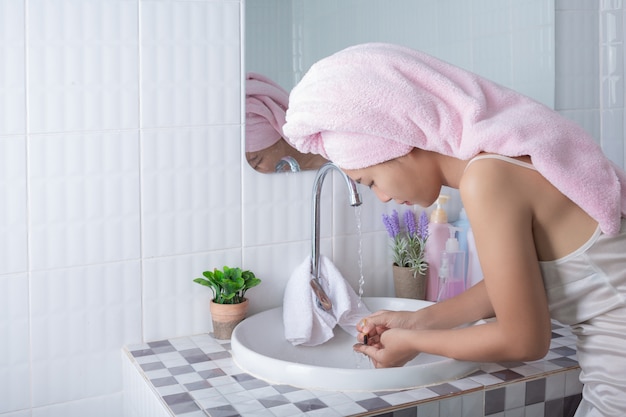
452 268
474 271
438 233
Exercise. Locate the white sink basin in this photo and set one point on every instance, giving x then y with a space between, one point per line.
259 348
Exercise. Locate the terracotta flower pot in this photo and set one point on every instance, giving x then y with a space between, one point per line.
407 285
226 316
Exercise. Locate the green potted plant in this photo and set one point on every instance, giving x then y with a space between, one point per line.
229 305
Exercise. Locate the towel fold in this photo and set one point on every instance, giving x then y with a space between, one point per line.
375 102
266 103
308 325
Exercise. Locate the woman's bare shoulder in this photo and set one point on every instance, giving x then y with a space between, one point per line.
492 178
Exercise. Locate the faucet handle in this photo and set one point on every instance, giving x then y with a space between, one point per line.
322 299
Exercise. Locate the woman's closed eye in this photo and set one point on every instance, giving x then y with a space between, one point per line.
369 185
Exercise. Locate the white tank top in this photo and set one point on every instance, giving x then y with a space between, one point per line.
502 158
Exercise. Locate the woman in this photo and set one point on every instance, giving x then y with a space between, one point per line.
546 207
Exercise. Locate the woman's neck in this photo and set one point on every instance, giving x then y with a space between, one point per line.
451 170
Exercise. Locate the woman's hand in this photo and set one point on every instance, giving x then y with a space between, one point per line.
389 348
383 338
371 327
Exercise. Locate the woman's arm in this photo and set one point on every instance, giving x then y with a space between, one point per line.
497 200
470 306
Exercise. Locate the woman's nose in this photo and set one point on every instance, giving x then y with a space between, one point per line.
381 196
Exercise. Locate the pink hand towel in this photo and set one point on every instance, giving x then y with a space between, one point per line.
266 103
374 102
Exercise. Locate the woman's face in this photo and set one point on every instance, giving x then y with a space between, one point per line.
266 159
410 179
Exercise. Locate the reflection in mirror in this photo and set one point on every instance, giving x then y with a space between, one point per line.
511 43
266 149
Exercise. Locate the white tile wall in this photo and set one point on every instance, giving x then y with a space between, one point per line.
82 65
13 204
12 73
78 318
14 352
612 86
191 182
591 91
84 205
493 38
577 76
190 63
121 179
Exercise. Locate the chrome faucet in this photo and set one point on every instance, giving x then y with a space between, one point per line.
355 200
287 161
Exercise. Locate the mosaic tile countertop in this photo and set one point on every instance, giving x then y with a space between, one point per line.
195 376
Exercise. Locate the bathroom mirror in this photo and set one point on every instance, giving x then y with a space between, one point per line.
511 43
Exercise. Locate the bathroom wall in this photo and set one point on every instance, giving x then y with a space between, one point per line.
494 39
590 69
121 179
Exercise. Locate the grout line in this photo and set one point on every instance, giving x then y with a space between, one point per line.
142 283
28 205
242 122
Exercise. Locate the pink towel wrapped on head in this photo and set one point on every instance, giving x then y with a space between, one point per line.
374 102
266 103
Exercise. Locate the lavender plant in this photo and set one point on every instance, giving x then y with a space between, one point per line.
408 245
